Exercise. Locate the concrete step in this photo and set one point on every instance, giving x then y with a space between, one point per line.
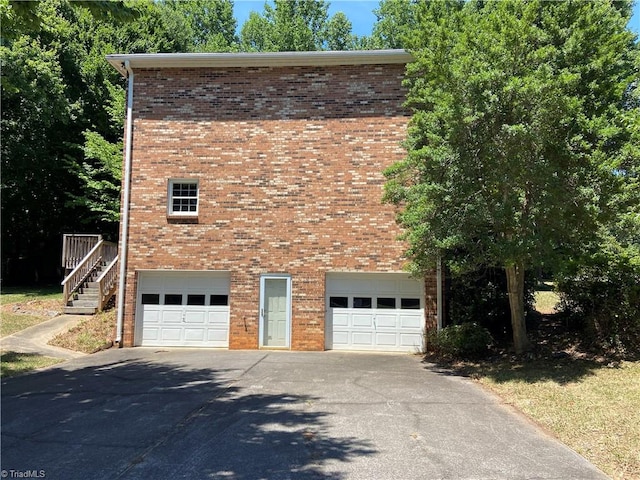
84 303
88 294
81 310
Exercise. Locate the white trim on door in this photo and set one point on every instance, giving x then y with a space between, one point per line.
264 280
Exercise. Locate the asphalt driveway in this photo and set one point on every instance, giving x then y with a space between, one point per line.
186 413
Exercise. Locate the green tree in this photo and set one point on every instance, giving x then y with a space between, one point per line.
63 109
516 138
295 25
101 174
212 26
39 109
396 23
24 16
255 36
409 24
339 33
171 26
602 287
96 163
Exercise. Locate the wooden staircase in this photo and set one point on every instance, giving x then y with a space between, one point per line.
93 279
86 299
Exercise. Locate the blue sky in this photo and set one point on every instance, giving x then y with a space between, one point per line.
634 23
360 13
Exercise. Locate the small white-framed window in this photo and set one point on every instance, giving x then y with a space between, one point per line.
183 197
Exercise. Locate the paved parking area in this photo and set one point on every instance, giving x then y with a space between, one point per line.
187 413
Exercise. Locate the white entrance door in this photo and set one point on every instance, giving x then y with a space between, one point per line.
275 311
383 312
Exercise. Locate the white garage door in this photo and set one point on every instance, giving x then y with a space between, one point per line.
182 309
383 312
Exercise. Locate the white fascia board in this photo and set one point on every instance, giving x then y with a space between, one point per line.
276 59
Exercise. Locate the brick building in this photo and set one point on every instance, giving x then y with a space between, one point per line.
252 213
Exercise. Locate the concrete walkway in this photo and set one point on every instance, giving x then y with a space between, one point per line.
34 339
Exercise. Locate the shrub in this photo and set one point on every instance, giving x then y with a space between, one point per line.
467 340
480 296
604 294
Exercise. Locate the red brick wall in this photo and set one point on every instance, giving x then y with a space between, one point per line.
290 165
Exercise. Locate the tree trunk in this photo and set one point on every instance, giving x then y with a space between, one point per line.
515 286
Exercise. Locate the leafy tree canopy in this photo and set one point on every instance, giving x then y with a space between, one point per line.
63 110
211 24
296 25
518 134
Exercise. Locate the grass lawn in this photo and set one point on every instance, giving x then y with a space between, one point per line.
13 363
546 302
14 322
589 402
21 308
24 307
593 407
25 294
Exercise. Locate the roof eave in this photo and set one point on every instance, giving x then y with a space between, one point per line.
271 59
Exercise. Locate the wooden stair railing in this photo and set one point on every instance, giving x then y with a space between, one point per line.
103 253
107 282
75 247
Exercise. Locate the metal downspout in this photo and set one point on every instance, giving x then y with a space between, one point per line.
439 305
125 204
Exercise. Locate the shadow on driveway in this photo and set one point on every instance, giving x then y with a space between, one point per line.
188 413
142 419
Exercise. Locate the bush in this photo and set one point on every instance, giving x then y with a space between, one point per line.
468 340
604 294
481 296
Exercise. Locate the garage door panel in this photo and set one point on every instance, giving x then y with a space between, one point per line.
363 339
340 319
411 321
387 321
218 318
150 334
340 339
171 317
192 323
170 334
195 317
194 334
375 328
217 337
387 339
411 340
362 320
151 314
